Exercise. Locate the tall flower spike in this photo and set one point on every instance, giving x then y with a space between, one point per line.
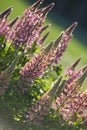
42 14
69 87
5 13
33 69
76 104
71 98
52 53
47 60
48 57
31 65
74 77
67 34
28 27
70 29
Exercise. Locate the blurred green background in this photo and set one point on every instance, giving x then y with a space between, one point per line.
75 49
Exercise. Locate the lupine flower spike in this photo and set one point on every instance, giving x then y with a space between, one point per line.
29 26
36 67
71 98
67 34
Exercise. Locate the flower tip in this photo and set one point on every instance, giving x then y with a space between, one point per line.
6 13
44 28
76 23
44 38
52 5
75 63
13 22
11 8
48 8
71 28
37 4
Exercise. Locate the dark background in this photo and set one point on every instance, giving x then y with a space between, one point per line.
68 11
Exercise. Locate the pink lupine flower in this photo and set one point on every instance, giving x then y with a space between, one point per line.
5 13
35 69
36 32
75 105
71 100
38 65
70 84
28 70
64 42
29 26
47 59
81 101
73 78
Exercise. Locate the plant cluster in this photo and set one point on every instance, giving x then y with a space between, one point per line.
30 97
